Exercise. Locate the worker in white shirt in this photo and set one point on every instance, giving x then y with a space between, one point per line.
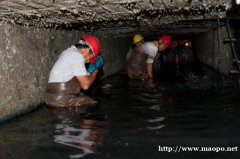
140 64
69 74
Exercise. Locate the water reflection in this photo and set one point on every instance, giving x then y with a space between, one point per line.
157 121
157 102
83 129
198 112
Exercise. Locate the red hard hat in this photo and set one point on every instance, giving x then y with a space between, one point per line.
94 45
166 39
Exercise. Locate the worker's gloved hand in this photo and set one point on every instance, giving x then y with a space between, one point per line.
97 65
91 68
99 62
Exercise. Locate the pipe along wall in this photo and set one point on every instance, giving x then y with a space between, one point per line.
27 55
210 49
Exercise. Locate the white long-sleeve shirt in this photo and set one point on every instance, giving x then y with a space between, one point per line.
69 64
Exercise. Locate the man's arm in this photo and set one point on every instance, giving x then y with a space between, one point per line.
150 70
150 61
86 81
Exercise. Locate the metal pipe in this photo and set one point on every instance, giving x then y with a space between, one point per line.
233 49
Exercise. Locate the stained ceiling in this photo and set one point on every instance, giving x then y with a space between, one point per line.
119 16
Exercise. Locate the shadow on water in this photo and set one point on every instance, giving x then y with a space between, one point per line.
198 107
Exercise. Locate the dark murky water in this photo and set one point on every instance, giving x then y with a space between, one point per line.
132 119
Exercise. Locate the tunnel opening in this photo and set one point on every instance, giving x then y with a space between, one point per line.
208 43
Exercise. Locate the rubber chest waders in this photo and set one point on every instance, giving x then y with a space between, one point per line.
66 94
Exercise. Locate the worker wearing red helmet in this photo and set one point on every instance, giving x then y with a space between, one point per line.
140 64
69 74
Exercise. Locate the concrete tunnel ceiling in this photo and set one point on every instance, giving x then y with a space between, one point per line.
119 17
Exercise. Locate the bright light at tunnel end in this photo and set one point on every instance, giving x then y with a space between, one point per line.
237 2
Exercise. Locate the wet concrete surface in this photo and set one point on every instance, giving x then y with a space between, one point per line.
133 118
124 15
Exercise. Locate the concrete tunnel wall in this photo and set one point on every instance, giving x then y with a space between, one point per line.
212 52
27 55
